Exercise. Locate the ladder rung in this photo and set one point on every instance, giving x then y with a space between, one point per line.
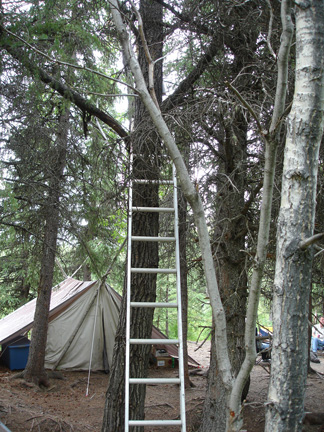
154 239
154 422
162 182
154 209
154 341
154 380
154 304
152 270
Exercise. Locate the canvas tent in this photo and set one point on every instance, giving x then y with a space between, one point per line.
82 326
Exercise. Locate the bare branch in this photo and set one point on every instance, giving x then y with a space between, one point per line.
247 106
113 95
303 245
270 31
319 249
177 97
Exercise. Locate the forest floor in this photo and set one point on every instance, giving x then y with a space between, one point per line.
64 407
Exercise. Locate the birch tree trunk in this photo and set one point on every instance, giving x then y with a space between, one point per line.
296 224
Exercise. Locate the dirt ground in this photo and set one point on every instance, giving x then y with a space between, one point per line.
65 406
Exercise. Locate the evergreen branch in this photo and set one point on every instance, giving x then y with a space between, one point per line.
63 89
62 63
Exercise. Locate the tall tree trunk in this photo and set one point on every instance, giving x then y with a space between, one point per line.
285 406
35 370
182 213
229 240
145 143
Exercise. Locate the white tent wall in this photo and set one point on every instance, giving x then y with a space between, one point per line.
71 326
79 320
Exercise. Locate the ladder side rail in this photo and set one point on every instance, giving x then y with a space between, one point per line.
128 299
180 333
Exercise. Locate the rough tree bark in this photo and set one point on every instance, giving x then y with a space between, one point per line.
285 406
229 239
182 213
188 189
145 147
230 222
35 370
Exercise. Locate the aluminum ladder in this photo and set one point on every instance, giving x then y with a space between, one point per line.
179 341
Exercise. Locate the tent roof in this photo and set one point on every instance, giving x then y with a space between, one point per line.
63 294
21 320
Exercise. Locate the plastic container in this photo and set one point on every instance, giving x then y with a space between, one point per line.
15 353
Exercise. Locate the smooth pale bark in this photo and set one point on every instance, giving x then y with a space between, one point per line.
285 406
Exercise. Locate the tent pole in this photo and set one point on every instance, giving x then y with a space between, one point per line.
76 271
61 268
104 277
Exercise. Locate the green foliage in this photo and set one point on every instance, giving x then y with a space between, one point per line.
199 311
92 217
264 313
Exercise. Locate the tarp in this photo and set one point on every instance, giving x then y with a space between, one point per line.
82 325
